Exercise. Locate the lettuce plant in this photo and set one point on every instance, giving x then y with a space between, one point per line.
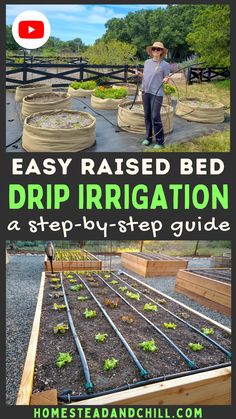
60 328
132 295
63 359
59 306
88 314
195 346
110 364
101 337
148 345
170 325
150 307
77 287
207 331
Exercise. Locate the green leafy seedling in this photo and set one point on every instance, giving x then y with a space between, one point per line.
69 277
114 282
88 314
54 280
56 287
63 359
123 289
207 331
60 328
101 337
82 298
132 295
59 306
195 346
170 325
107 276
110 364
149 345
73 281
77 287
150 307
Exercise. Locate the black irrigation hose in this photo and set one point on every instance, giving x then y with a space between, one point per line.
190 363
14 142
221 348
66 396
143 372
88 382
98 113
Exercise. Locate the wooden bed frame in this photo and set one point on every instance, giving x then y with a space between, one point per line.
70 265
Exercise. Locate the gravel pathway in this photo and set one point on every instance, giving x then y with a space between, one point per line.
22 285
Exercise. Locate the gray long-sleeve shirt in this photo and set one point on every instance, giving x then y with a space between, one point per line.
153 75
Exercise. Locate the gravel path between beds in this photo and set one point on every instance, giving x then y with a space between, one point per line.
23 275
22 285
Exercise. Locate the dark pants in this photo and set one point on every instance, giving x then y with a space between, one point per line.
152 113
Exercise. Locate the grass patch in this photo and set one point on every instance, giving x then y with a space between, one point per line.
217 142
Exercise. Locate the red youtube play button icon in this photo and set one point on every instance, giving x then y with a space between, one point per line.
31 29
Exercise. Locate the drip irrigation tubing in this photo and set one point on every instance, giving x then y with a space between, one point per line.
221 348
88 382
143 372
67 396
14 142
190 363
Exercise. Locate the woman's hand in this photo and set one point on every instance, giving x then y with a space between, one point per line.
166 79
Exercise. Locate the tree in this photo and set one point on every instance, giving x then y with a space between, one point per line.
210 35
111 52
11 44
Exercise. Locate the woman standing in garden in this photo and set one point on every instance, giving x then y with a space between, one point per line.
156 71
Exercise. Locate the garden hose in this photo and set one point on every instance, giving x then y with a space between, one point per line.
221 348
143 372
190 363
88 382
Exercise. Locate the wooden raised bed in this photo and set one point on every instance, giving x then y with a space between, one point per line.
210 287
91 262
150 264
202 388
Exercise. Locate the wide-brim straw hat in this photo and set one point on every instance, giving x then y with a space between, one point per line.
157 44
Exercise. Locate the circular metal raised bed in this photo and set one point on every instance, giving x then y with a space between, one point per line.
132 120
79 92
48 101
29 89
130 87
106 104
193 109
45 136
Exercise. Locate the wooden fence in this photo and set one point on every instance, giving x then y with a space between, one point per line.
207 74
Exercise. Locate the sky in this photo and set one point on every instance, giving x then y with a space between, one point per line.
72 21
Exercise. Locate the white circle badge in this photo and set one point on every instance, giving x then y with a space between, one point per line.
31 29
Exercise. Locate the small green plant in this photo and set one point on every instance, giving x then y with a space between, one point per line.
101 337
82 298
170 325
132 295
110 364
207 331
150 307
54 280
87 85
63 359
169 89
77 287
127 319
148 345
69 276
114 282
195 346
88 314
73 281
110 93
59 306
60 328
112 303
56 287
123 289
107 276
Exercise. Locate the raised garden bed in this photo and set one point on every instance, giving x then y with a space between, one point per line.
48 101
108 98
152 264
130 87
196 110
29 89
132 120
59 131
67 260
149 335
221 261
210 287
